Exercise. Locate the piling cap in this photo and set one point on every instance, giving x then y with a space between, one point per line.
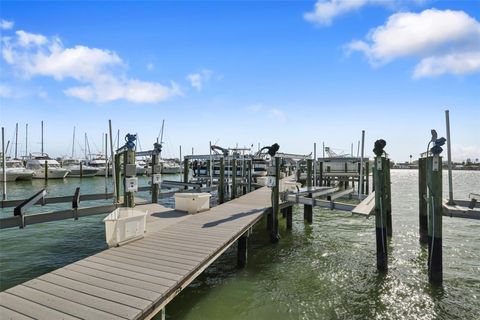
378 147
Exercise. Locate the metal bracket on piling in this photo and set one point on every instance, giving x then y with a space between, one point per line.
25 205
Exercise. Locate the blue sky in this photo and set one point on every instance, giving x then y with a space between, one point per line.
243 72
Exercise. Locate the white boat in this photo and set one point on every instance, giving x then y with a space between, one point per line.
99 163
77 170
37 164
170 167
259 167
15 171
141 167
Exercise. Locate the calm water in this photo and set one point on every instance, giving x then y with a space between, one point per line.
325 270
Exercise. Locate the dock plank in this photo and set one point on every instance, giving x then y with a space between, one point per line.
31 309
72 295
367 206
61 304
138 278
8 314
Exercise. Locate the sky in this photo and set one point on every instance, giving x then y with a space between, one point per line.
242 73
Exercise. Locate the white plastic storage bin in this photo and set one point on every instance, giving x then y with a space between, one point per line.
124 225
289 186
192 202
262 181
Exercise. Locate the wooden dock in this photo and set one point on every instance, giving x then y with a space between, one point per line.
137 280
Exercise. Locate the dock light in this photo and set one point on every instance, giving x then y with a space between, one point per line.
130 141
437 145
378 147
272 150
157 147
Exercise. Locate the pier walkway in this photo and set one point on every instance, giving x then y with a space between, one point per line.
137 280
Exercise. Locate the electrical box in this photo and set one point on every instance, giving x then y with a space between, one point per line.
379 163
131 170
131 184
157 178
157 168
436 163
271 171
270 181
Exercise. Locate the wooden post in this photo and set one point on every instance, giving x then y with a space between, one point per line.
289 217
434 187
388 198
321 173
221 183
129 198
308 209
117 176
274 235
81 169
380 214
234 179
422 200
209 168
185 171
249 174
155 186
242 251
46 170
244 174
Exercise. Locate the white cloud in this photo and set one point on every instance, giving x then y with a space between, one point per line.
6 25
150 66
198 79
445 41
326 10
101 72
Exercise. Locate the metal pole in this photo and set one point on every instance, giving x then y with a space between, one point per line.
449 158
106 163
112 155
314 164
360 184
26 141
4 173
16 139
42 138
73 143
180 156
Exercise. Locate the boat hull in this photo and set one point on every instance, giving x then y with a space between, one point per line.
51 174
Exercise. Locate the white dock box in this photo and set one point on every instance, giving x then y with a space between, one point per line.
124 225
192 202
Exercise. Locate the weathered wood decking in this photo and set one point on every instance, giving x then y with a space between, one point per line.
138 279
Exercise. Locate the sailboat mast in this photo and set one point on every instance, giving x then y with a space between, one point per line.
26 140
16 139
73 143
85 146
42 138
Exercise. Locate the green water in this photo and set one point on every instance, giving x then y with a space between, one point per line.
326 270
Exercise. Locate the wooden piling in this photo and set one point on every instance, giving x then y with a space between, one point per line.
321 174
221 183
234 179
155 186
117 175
388 198
46 170
434 186
289 217
244 174
422 201
380 214
81 169
274 234
185 171
242 251
129 197
249 175
308 209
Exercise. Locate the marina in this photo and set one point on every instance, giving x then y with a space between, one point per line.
237 160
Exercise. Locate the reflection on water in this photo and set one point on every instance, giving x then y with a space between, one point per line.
326 270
